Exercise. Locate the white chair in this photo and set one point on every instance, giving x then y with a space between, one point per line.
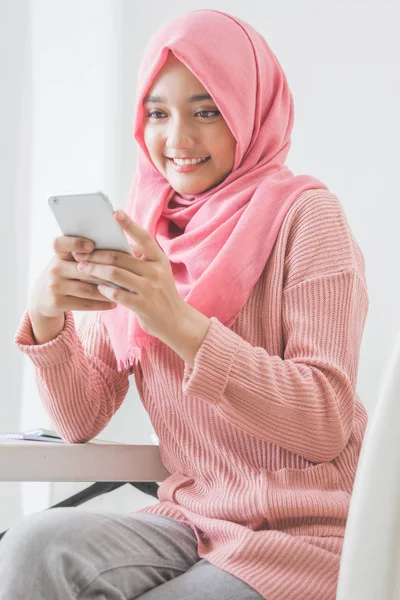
370 567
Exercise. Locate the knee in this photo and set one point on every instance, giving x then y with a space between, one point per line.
46 550
36 534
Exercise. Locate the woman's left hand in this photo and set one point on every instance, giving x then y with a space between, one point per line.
148 276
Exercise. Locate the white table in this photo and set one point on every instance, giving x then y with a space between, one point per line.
47 461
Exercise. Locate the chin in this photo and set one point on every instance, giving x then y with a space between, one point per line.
188 190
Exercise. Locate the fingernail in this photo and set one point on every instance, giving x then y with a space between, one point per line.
120 215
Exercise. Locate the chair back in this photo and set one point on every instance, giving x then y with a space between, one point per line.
370 558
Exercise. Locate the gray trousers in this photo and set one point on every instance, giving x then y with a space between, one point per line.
71 554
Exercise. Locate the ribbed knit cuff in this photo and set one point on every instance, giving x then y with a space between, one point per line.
62 348
209 376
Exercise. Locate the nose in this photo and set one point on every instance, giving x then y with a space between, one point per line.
180 136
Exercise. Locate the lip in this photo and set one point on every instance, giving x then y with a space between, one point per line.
187 168
185 157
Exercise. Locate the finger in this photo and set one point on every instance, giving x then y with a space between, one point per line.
111 274
118 259
67 270
80 290
65 245
72 303
121 297
141 238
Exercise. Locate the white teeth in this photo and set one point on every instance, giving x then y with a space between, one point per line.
188 161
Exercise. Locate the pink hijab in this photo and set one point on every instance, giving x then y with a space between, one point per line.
225 234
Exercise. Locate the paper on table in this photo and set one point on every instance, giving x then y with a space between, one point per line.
43 435
20 435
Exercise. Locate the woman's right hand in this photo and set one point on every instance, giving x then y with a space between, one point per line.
58 288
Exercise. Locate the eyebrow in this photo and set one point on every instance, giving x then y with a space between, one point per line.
194 98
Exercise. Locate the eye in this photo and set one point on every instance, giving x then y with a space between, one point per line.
154 114
207 114
203 114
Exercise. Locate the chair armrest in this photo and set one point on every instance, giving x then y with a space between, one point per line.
46 461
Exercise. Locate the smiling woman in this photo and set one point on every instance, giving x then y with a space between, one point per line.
241 319
186 136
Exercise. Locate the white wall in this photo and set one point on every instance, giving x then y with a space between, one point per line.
15 172
67 121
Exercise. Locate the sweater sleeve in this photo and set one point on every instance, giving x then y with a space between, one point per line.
77 376
304 401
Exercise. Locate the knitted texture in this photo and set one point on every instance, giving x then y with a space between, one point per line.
262 436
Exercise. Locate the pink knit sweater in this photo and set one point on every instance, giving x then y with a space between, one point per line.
262 437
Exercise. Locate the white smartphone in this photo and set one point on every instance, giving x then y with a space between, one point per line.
89 216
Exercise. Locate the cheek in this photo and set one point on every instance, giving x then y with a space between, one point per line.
152 140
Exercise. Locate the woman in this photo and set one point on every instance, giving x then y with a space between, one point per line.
242 327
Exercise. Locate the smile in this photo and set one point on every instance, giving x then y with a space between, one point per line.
187 164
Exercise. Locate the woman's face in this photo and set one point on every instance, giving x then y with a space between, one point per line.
182 122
